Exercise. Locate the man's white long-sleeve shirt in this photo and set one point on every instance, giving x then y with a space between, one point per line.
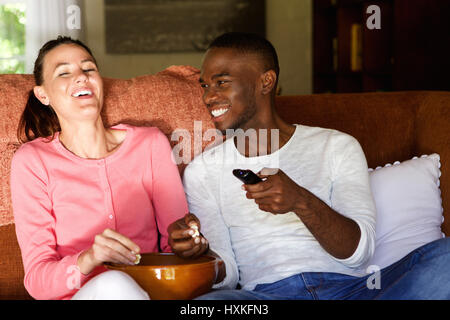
259 247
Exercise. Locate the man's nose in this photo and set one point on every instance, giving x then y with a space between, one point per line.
209 97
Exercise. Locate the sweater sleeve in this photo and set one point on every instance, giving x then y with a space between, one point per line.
168 197
352 197
203 204
47 276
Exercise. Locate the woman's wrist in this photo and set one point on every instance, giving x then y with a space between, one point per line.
86 262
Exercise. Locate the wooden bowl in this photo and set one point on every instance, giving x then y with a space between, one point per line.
166 276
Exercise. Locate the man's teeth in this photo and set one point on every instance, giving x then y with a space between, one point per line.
82 93
219 112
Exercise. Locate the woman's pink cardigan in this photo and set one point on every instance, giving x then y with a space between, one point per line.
61 202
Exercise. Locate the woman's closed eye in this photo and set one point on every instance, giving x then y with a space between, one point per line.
65 73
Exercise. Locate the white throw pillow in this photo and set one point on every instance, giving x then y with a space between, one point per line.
409 207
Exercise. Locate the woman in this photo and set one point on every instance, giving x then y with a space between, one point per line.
84 194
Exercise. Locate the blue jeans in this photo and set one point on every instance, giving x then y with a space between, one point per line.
422 274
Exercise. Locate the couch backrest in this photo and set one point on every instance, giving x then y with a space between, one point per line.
390 127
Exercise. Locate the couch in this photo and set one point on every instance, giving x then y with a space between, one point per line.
390 127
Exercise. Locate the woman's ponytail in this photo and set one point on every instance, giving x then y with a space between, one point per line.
37 120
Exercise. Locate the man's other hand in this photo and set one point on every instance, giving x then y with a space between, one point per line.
185 238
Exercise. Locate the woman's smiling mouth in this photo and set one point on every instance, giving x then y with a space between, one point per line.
83 93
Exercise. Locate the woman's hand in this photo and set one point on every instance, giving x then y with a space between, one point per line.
109 246
185 238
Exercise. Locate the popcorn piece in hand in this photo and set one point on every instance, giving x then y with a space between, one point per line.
138 259
196 233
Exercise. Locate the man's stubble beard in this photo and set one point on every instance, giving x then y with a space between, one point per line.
244 118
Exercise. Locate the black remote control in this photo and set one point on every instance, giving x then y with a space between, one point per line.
246 176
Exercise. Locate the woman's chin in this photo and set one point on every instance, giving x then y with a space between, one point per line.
89 112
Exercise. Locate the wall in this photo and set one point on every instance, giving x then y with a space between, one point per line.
288 25
289 28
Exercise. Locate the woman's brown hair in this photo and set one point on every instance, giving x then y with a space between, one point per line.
39 120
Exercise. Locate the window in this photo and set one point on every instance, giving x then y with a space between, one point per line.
12 36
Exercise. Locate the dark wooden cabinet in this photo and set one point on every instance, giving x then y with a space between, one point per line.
411 50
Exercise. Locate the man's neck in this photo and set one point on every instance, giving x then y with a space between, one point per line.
264 137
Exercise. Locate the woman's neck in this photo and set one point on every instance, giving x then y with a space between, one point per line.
89 140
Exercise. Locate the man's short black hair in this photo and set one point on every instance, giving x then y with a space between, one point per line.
249 43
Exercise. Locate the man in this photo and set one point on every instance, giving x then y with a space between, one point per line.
307 230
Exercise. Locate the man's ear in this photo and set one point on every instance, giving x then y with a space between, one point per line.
269 80
41 95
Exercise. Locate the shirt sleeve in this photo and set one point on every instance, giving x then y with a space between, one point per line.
351 196
47 275
203 204
168 197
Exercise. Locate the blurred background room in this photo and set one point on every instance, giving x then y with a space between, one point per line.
324 46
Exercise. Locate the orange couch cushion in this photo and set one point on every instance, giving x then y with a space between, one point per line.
13 96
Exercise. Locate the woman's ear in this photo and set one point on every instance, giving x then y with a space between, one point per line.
269 80
41 95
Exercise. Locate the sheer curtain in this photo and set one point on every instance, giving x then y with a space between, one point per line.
46 19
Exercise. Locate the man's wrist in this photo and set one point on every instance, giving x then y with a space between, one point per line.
303 207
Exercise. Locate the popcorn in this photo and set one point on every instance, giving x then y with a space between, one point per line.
138 259
196 233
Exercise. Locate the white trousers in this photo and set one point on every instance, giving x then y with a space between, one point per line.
111 285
